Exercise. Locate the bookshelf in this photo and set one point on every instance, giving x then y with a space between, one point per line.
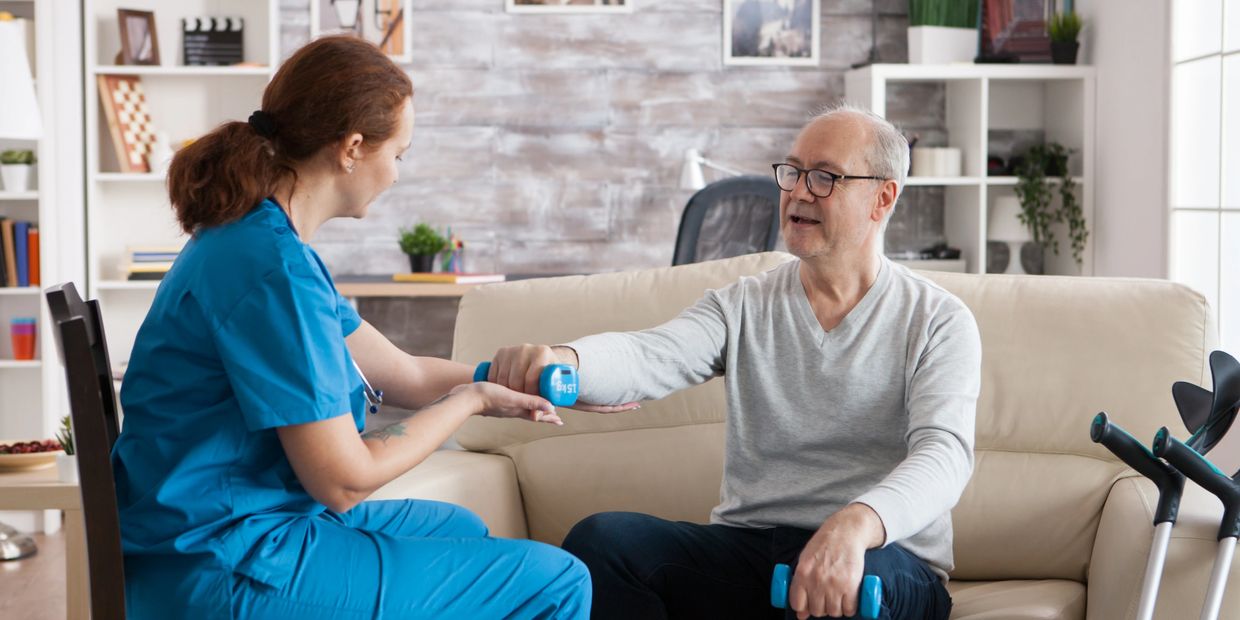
127 209
32 393
982 104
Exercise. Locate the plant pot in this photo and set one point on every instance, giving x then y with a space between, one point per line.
16 177
939 45
1064 53
66 467
421 263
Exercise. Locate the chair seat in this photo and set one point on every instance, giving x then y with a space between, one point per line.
1042 598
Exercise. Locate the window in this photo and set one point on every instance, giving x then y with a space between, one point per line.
1205 157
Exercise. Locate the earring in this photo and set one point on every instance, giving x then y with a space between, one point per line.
350 167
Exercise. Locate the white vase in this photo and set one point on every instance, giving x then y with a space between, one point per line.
939 45
66 467
16 177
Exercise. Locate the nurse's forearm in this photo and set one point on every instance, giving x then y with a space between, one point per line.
424 380
339 469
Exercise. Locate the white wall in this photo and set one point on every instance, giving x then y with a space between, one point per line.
1129 42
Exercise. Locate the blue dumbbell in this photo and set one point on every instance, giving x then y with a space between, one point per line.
557 383
871 594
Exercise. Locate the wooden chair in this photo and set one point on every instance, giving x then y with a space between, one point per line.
83 352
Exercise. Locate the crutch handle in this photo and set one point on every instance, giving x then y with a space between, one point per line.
1170 482
1200 470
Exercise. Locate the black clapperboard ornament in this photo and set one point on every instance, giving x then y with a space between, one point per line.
213 40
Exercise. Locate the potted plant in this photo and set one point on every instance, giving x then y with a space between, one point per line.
1063 29
421 244
1038 211
66 464
15 170
942 31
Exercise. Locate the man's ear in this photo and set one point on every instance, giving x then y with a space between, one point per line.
885 201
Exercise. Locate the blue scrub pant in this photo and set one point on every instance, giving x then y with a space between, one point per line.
419 559
651 568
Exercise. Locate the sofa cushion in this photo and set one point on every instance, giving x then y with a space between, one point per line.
1044 599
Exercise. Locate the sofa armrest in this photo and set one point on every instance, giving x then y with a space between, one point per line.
1122 546
483 483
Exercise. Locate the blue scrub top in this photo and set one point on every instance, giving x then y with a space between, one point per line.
246 334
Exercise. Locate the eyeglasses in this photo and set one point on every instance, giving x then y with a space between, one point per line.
787 176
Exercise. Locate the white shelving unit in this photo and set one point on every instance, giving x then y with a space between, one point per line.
132 209
1058 100
32 393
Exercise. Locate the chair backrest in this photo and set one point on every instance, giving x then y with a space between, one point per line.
735 216
83 351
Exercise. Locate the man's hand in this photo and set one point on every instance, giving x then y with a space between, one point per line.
519 367
829 570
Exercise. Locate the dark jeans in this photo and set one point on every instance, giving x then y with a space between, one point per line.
646 567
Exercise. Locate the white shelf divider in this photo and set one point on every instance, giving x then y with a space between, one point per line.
171 71
128 285
19 195
933 181
18 291
21 364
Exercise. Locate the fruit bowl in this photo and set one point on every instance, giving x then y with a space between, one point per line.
17 455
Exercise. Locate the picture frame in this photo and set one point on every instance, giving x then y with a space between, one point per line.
139 37
569 6
752 34
386 23
1014 31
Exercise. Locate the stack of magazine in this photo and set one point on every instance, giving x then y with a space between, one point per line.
149 263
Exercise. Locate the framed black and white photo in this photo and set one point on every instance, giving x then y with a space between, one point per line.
771 32
385 23
570 6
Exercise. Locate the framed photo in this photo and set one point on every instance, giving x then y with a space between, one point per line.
1014 31
139 43
570 6
771 32
385 23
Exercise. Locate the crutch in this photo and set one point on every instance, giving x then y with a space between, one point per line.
1188 457
1170 485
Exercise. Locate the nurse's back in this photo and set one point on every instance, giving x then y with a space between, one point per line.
184 435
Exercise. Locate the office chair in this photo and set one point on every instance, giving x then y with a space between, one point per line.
83 352
731 217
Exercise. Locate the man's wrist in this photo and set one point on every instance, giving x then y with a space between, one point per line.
871 525
567 355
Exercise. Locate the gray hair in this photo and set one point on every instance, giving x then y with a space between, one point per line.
888 155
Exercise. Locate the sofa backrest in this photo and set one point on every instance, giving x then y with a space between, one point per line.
1056 350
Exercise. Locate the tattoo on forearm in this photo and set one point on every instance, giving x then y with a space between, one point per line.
397 429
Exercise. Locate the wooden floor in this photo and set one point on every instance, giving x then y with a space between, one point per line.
33 588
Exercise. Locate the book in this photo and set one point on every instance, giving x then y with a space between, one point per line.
450 278
146 275
32 246
10 253
4 281
20 230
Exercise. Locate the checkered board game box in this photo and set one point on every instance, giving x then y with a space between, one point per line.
129 122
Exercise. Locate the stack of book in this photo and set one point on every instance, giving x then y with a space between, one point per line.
149 263
19 253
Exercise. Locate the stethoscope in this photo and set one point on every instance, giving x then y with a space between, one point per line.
374 398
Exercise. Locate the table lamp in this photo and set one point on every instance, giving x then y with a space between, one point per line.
21 119
1004 225
691 171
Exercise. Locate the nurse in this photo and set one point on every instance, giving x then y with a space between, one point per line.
241 471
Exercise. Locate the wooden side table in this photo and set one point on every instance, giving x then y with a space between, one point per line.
42 490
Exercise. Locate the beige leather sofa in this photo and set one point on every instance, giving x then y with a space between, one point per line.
1051 525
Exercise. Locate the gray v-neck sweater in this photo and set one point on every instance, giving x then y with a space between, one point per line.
879 410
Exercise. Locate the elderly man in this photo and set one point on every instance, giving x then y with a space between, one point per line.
851 387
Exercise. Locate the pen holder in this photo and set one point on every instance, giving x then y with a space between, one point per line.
22 332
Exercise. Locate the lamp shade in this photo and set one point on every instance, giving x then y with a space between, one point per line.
691 171
20 118
1004 221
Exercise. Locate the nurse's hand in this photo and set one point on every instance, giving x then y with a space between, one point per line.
519 367
497 401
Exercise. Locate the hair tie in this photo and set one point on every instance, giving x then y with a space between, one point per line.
263 124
